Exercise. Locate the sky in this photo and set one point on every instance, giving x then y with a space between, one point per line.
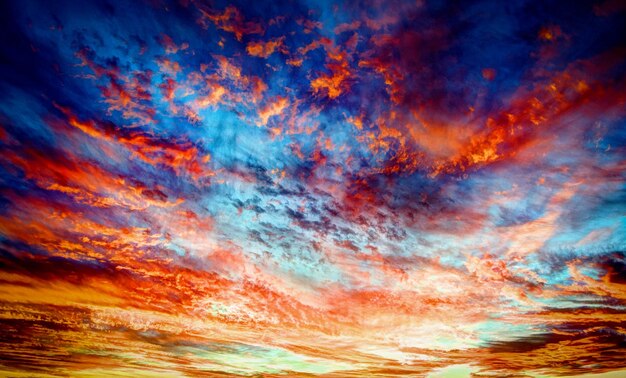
313 188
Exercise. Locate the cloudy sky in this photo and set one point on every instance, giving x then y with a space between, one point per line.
313 188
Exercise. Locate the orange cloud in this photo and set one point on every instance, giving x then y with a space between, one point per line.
264 49
231 20
272 108
88 183
335 83
227 69
295 62
182 158
322 42
216 93
258 89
